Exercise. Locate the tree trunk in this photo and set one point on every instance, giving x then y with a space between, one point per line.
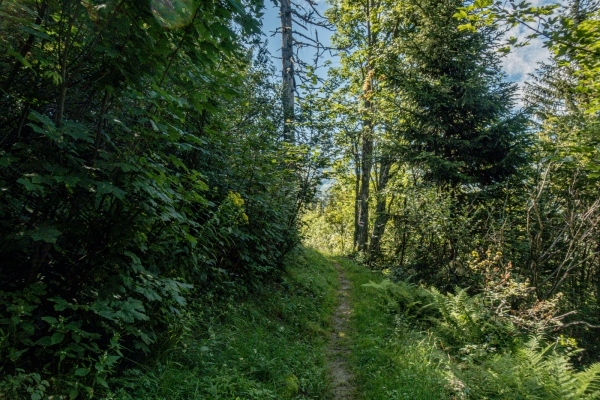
356 195
401 248
382 216
287 62
367 165
367 139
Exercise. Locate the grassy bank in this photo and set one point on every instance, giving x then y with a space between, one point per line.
269 344
389 363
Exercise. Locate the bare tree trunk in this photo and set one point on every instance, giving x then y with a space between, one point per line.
287 61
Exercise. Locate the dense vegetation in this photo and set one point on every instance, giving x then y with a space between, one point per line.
266 345
141 168
153 187
445 169
410 342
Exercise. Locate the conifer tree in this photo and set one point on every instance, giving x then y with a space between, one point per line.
461 127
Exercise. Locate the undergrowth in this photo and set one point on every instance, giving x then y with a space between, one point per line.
411 342
269 344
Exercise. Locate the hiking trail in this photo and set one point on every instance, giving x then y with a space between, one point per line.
343 380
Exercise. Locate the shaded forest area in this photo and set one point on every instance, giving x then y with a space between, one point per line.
155 168
141 169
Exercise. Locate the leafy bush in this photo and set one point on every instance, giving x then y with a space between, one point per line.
269 344
136 163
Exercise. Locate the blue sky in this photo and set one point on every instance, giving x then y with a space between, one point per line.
517 65
271 22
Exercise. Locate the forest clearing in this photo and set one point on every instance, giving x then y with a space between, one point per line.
400 200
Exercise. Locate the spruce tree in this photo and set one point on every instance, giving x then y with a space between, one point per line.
460 123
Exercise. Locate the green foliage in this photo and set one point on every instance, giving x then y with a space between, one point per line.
140 162
458 125
490 355
266 345
328 224
532 371
413 301
142 166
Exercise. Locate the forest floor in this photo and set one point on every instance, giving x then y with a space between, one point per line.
385 363
321 330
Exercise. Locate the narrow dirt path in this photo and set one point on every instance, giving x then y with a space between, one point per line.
343 381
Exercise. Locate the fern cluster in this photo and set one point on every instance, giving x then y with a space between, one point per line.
531 371
489 356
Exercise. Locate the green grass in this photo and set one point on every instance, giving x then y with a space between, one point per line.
389 362
272 344
266 345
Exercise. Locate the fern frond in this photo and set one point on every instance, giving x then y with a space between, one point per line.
588 382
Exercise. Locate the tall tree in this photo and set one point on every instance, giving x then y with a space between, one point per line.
438 91
358 33
306 15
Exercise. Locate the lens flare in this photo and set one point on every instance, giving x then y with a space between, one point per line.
173 13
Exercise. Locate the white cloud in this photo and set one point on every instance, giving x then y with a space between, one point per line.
523 61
